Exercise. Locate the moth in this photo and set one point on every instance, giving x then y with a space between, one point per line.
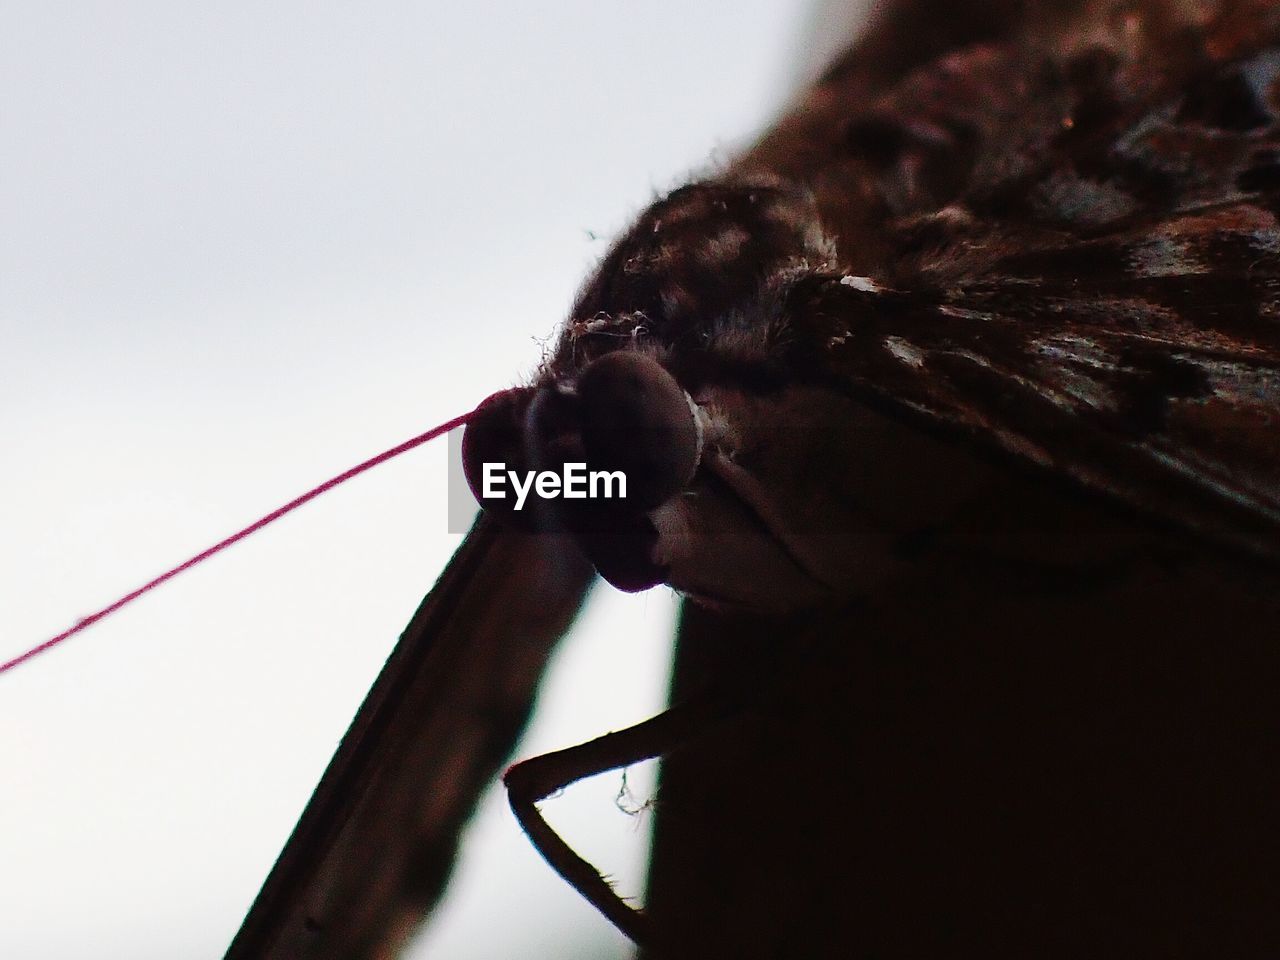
951 406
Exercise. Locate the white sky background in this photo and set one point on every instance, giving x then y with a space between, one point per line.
245 246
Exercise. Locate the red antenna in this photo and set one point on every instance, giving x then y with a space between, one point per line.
239 535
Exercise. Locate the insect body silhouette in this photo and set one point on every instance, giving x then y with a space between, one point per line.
953 406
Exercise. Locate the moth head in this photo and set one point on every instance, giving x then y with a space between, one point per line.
622 428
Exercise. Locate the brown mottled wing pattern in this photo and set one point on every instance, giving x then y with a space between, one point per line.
1080 264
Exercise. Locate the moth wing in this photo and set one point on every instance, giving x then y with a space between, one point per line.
1095 294
375 845
1152 374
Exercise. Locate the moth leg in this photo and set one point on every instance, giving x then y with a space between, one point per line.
535 779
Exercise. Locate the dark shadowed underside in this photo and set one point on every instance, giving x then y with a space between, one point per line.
1007 761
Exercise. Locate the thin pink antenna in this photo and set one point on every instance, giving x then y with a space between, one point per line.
239 535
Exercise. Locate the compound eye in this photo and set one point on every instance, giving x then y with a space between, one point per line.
495 435
622 553
552 429
636 418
